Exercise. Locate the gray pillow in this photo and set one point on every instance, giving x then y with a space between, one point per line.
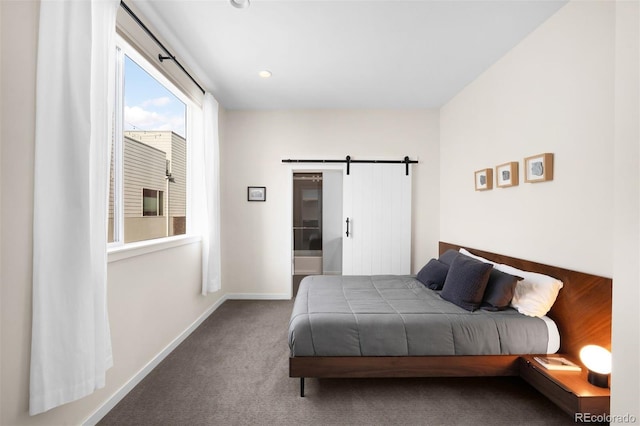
499 291
433 274
466 282
448 256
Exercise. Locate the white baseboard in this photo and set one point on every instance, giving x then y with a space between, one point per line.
258 296
127 387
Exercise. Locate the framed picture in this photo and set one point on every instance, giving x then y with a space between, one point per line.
538 168
507 174
256 193
484 179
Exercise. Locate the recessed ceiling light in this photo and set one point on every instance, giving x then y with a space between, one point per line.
240 4
265 73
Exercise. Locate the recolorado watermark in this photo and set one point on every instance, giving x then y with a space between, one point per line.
604 418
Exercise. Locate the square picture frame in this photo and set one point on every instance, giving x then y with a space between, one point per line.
507 175
538 168
484 179
256 193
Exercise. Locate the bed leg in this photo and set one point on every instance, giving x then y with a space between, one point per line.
302 387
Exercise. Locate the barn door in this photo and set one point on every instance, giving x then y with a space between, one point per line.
377 220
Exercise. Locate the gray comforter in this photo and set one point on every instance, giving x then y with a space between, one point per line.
397 316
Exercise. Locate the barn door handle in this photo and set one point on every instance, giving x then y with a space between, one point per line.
347 227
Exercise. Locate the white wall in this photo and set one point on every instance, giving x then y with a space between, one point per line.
152 298
556 92
625 382
255 240
552 93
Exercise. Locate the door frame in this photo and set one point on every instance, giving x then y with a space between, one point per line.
303 168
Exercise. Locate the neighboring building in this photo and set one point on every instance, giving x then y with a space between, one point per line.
155 190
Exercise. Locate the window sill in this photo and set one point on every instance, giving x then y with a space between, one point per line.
126 251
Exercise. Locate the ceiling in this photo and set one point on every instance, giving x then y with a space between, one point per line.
342 54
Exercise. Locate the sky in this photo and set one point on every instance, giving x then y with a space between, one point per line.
148 104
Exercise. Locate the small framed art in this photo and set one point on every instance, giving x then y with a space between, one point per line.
507 174
256 193
538 168
484 179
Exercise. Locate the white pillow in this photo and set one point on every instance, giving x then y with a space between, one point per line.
481 259
535 294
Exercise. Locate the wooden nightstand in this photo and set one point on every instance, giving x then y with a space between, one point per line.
569 390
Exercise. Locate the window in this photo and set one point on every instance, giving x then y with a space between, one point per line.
152 202
149 166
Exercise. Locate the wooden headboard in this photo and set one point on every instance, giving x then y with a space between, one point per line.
582 310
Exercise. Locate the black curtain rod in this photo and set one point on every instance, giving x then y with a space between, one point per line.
406 161
159 43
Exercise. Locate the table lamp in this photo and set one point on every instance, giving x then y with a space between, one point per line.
598 361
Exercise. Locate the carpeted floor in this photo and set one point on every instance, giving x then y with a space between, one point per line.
233 370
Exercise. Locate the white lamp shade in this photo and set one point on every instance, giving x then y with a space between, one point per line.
596 358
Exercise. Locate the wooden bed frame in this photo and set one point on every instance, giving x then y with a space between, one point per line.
582 313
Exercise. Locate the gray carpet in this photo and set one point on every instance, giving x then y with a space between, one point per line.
233 370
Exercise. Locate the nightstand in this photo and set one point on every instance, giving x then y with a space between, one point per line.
569 390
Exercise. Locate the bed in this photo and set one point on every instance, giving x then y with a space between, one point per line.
333 333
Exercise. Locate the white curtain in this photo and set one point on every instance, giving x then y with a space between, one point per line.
207 201
71 345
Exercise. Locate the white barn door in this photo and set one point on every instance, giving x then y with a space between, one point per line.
377 204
